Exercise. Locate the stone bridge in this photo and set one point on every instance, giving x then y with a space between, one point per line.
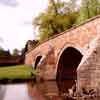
59 57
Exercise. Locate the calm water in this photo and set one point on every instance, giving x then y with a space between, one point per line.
48 90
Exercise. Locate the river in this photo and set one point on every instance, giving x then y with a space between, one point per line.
30 90
47 90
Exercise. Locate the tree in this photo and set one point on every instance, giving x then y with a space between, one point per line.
89 8
53 5
16 52
4 53
52 21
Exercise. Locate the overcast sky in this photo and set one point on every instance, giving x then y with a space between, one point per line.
16 21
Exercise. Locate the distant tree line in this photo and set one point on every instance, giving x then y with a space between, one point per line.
16 52
4 53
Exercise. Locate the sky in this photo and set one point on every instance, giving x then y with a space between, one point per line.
16 21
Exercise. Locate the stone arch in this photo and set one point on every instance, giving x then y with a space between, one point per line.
38 58
68 62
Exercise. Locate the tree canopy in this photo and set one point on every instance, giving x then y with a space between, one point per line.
16 52
4 53
89 8
60 16
55 20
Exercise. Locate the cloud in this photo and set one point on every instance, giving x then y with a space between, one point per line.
11 3
16 22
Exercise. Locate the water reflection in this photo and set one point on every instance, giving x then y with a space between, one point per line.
14 92
50 90
2 92
47 90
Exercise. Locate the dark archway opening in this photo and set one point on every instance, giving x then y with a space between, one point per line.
68 64
37 61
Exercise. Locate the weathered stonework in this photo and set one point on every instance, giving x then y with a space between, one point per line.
79 38
89 68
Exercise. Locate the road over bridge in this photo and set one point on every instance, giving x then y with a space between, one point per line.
59 57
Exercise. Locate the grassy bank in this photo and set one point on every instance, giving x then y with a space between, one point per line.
16 72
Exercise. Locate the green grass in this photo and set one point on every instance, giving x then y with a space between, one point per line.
17 72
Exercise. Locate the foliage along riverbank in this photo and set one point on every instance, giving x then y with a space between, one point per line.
17 72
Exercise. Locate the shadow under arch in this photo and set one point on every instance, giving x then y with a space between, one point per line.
37 61
68 63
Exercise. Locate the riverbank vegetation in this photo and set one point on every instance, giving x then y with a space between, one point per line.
17 72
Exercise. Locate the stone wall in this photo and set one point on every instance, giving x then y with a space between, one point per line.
89 68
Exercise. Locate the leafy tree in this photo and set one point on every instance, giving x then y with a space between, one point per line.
54 20
1 51
4 53
16 52
53 5
89 8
